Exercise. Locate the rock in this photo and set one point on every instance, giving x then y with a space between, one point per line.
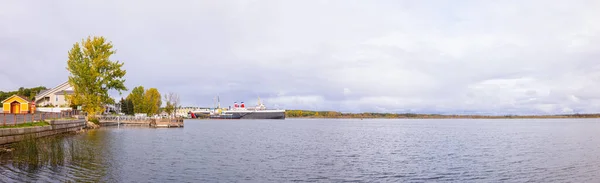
92 125
5 149
82 130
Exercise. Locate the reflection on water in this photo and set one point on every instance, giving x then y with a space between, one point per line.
317 150
66 157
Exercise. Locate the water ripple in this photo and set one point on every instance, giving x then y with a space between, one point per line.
333 151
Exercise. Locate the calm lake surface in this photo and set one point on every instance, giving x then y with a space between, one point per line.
319 150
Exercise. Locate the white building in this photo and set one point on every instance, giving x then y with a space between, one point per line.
110 108
184 111
54 97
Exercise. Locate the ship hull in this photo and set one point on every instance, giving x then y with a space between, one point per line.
250 115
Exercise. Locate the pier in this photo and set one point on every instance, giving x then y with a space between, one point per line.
141 121
167 123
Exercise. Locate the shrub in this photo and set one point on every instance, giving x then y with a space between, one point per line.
94 120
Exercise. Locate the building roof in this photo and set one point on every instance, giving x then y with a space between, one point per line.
56 90
43 91
20 96
68 92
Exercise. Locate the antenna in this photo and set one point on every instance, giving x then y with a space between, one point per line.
215 102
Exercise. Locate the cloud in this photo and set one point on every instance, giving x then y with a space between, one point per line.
505 57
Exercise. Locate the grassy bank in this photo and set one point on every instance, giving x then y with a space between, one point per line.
39 123
65 118
334 114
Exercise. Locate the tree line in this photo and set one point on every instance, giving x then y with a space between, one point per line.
30 93
334 114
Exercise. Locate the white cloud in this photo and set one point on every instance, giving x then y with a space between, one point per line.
347 91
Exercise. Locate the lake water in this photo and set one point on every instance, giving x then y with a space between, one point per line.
318 150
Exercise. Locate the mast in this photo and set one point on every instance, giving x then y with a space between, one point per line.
258 100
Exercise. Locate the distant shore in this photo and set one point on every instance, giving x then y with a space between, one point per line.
333 114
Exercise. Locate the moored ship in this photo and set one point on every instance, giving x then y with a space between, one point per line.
242 112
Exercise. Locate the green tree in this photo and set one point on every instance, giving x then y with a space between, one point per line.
169 108
3 95
129 107
152 101
137 99
93 74
30 93
124 106
35 91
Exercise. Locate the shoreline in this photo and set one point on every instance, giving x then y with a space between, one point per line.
303 114
445 118
526 117
338 115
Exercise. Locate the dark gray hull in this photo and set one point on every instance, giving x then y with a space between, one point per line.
250 115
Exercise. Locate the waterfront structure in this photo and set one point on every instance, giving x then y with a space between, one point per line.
18 105
186 111
112 108
55 127
55 97
141 120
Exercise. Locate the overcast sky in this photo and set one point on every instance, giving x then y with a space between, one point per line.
493 57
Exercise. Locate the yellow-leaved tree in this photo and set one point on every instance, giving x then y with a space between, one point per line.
93 74
152 101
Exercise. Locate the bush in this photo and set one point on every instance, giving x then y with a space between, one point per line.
94 120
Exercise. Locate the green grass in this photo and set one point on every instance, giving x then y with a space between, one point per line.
29 124
65 118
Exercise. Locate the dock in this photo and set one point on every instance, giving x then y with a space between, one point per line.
167 123
141 121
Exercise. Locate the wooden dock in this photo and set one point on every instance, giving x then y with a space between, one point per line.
167 123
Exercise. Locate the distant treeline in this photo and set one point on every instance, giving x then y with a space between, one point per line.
334 114
25 92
